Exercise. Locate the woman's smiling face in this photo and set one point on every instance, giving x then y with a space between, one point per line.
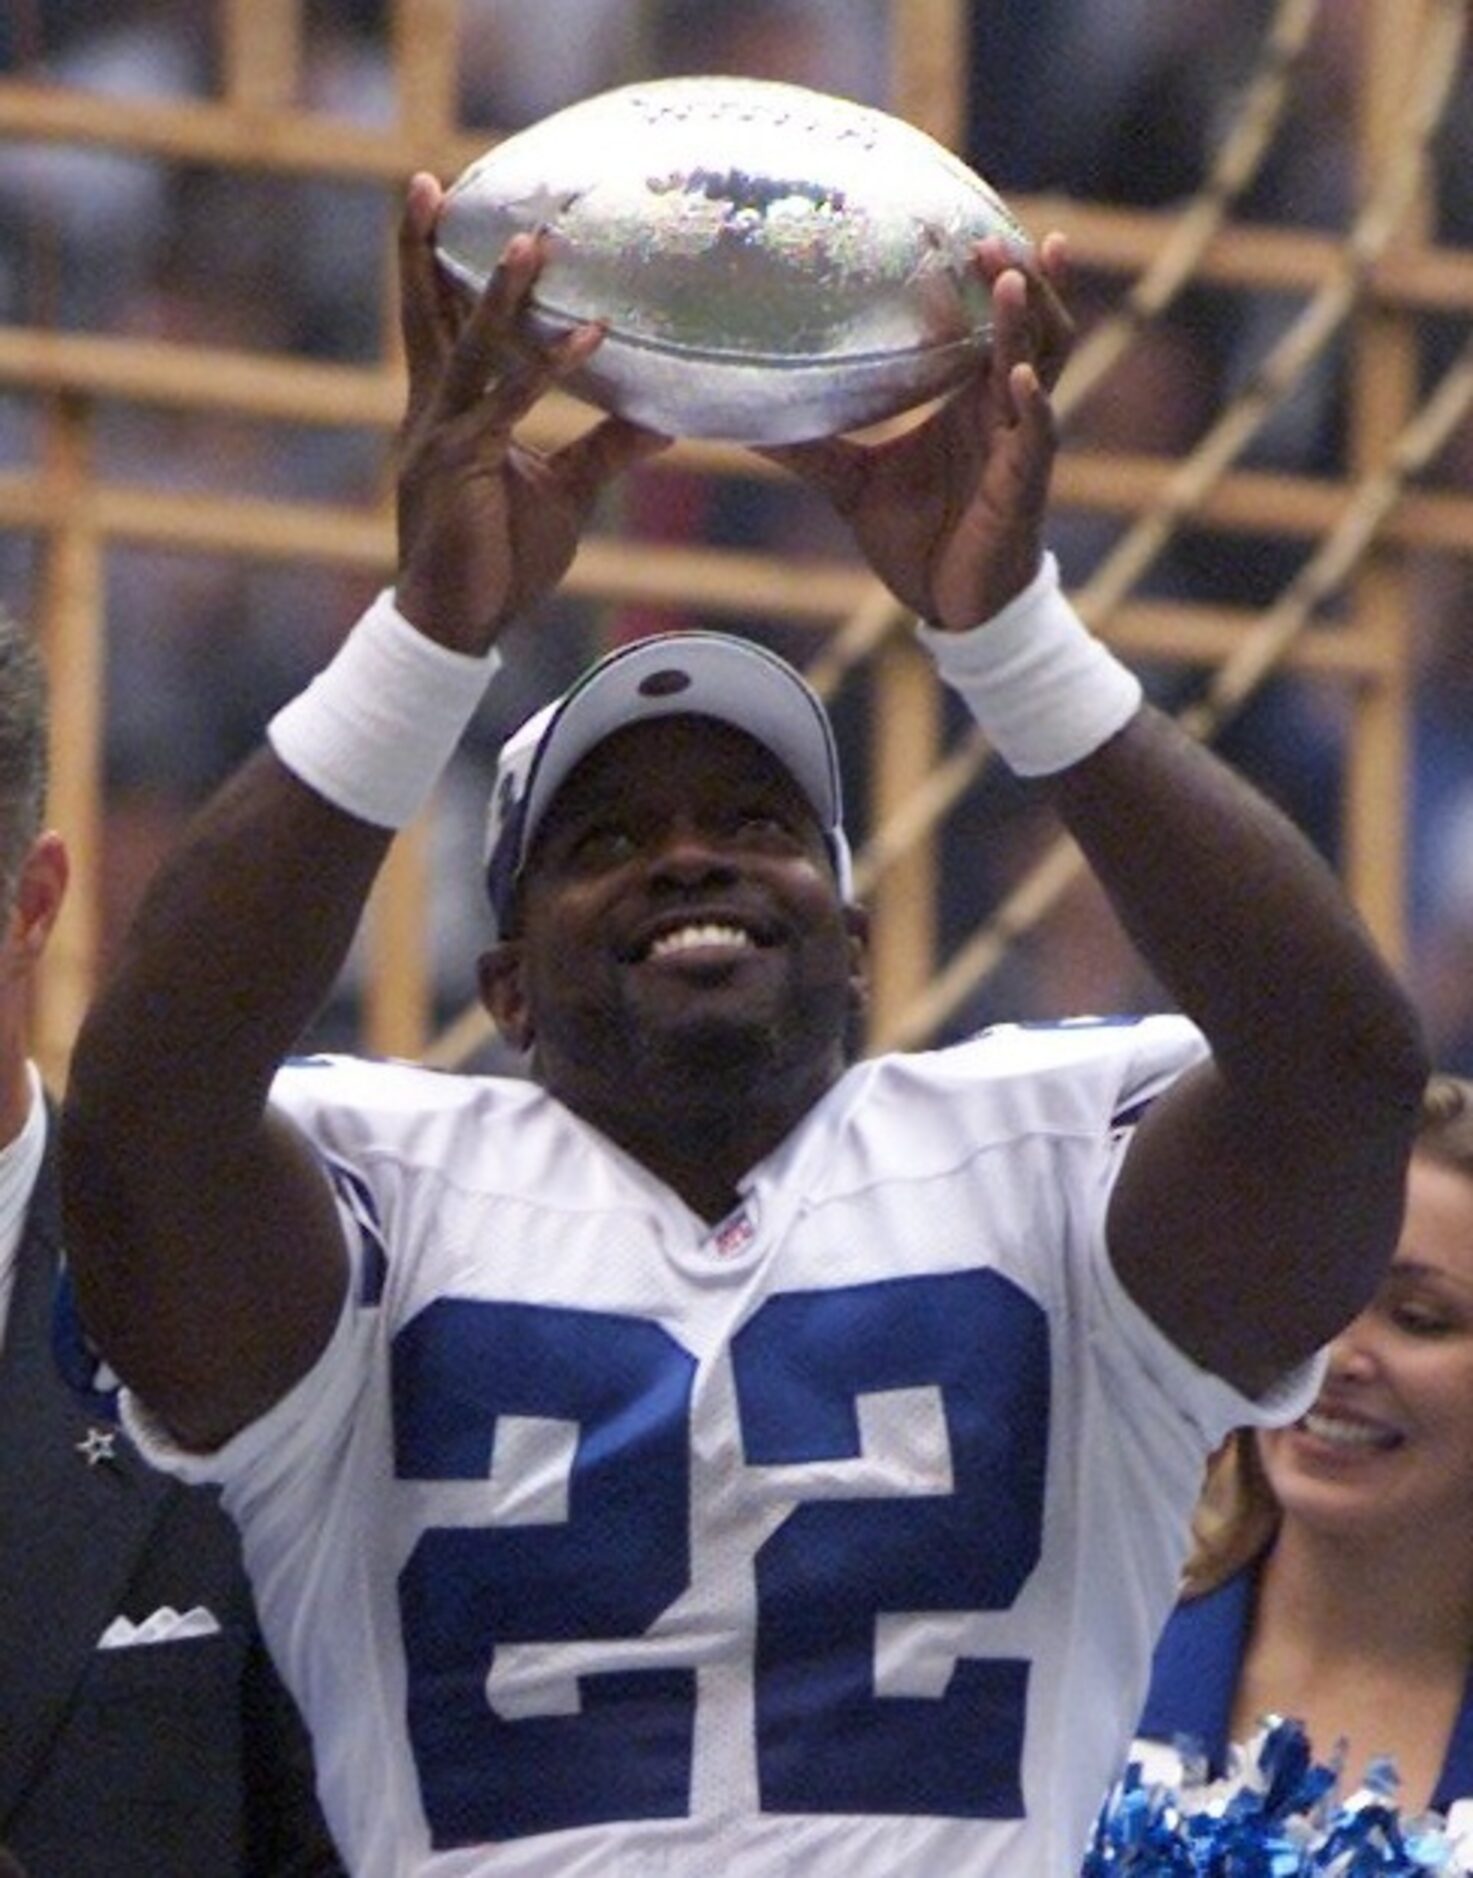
1389 1443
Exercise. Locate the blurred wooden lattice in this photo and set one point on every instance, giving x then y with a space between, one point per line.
1370 285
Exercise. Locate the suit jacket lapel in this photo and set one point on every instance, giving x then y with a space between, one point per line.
70 1532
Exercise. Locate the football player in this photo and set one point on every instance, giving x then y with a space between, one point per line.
712 1452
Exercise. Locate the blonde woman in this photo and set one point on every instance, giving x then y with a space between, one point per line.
1332 1576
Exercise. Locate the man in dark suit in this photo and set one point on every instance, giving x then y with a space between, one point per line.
143 1730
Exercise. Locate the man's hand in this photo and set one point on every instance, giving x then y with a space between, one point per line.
950 513
487 526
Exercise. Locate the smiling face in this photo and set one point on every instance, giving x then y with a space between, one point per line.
1388 1446
683 950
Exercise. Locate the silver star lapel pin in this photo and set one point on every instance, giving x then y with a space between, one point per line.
98 1446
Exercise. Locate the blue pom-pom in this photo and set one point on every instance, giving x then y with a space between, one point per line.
1277 1815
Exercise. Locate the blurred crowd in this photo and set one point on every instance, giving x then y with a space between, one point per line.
1115 100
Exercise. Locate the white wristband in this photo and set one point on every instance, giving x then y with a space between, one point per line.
375 728
1044 690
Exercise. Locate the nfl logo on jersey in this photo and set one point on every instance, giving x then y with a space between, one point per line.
735 1233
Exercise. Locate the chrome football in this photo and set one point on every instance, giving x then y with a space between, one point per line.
771 263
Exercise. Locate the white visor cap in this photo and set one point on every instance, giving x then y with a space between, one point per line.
688 674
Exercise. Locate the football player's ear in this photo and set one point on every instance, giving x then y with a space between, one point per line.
499 974
856 923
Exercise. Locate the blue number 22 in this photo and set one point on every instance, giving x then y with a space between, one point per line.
828 1738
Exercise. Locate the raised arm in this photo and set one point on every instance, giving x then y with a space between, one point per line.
208 1258
1260 1199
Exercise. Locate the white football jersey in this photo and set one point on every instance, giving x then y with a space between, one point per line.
832 1539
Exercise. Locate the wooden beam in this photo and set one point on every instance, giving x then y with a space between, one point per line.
261 52
209 131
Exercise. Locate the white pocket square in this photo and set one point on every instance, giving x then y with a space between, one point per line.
1460 1829
164 1626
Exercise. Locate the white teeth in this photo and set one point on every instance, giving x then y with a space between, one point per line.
688 938
1346 1434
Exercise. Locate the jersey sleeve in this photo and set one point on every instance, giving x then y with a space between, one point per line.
322 1401
1215 1406
1103 1074
1166 1048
